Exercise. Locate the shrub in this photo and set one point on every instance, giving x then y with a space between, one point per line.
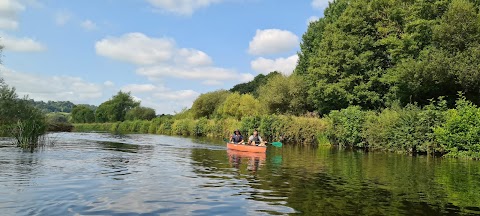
460 134
345 127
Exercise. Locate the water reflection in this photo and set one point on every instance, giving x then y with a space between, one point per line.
251 159
145 174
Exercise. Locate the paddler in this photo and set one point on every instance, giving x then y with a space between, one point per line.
255 139
237 137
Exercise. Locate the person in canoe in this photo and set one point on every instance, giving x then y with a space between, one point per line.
237 137
255 139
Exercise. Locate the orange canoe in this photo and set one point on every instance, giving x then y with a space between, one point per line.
247 148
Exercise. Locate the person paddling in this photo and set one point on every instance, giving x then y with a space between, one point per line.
237 137
255 139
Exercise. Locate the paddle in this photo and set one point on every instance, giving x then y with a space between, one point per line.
276 144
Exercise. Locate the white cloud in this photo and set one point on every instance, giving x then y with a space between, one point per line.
177 95
209 73
21 44
9 10
109 83
320 4
62 17
182 7
247 77
212 82
139 88
88 25
284 65
192 57
312 19
161 98
136 48
160 57
273 41
38 87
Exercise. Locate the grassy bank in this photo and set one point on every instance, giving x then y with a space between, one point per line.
272 127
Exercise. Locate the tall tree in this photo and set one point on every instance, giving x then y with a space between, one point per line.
206 104
116 108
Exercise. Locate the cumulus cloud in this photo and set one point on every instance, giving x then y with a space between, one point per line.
212 82
182 7
161 98
74 89
88 25
160 57
139 88
283 65
21 44
136 48
320 4
273 41
9 10
209 73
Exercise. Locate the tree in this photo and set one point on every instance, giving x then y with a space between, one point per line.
282 94
239 106
116 108
82 114
373 53
140 113
252 86
206 104
459 27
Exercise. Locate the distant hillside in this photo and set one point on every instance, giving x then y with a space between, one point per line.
56 106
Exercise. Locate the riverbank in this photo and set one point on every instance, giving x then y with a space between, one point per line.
290 129
433 129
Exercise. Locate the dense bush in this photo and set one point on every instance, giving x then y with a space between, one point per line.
460 134
140 113
345 127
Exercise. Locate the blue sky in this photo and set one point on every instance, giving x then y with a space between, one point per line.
165 52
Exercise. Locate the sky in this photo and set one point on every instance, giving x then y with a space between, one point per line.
165 52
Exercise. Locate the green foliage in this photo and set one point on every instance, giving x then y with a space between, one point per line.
239 106
206 104
253 86
285 95
459 27
20 120
373 53
53 106
82 114
460 134
183 127
345 127
116 108
59 122
140 113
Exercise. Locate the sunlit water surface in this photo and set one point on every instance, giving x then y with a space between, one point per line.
101 174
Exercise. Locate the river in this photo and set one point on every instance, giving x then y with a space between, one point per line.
101 174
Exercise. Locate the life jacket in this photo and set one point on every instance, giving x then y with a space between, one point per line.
237 138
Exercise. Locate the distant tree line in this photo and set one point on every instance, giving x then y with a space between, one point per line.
119 108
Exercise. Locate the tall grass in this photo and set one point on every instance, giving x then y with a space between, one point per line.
292 129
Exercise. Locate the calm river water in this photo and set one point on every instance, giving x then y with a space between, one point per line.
100 174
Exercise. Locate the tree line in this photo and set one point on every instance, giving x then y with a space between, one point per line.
120 107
